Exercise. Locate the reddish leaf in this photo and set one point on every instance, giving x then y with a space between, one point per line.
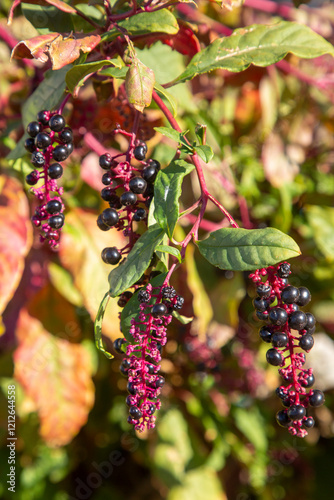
34 48
56 376
185 41
15 236
55 3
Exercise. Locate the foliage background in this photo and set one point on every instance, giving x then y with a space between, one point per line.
216 437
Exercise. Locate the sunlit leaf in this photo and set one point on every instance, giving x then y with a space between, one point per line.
139 84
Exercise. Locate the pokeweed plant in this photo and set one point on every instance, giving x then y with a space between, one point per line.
102 43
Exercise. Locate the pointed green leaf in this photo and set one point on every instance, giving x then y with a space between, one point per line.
136 263
172 250
98 326
204 152
161 21
114 72
184 320
247 249
260 45
139 84
167 191
168 132
76 75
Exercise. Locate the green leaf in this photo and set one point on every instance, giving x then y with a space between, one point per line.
172 250
47 19
168 96
131 310
169 132
48 95
247 249
251 423
161 21
204 152
321 220
98 326
136 263
139 84
184 320
260 45
76 75
167 191
114 72
200 131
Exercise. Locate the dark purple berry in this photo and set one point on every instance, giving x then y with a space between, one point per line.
129 400
304 296
306 342
131 388
105 161
33 128
284 270
55 171
283 419
137 185
101 225
154 163
310 322
297 320
308 422
106 179
159 382
32 178
43 117
108 194
118 345
290 294
128 198
69 148
151 409
111 255
143 296
37 159
140 152
264 290
140 214
260 304
42 140
178 303
56 221
110 217
263 316
59 153
124 299
309 381
135 413
30 144
274 357
149 174
159 310
265 334
66 135
53 207
57 123
296 412
279 339
317 398
150 368
278 316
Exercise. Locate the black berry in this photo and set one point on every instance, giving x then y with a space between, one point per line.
306 342
265 334
33 128
279 339
101 225
128 198
310 322
137 185
317 398
29 144
296 412
154 163
297 320
143 296
168 292
56 221
57 123
59 153
308 422
111 255
55 171
69 148
135 413
66 135
149 174
284 270
43 117
131 388
118 345
304 296
32 178
53 207
159 382
260 304
283 419
278 316
110 217
124 299
290 294
37 159
108 194
159 310
274 357
140 152
105 161
309 381
264 290
106 179
42 140
150 368
139 214
263 316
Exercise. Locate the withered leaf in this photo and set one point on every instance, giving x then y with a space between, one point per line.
139 84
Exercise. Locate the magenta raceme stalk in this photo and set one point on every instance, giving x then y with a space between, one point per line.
141 362
289 328
131 206
49 140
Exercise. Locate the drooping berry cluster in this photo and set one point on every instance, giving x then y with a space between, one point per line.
50 143
141 362
288 328
129 192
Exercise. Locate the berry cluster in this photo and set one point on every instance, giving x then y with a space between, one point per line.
288 328
128 191
141 362
50 142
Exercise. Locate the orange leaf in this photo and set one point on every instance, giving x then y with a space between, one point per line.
65 51
56 375
55 3
34 48
15 236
